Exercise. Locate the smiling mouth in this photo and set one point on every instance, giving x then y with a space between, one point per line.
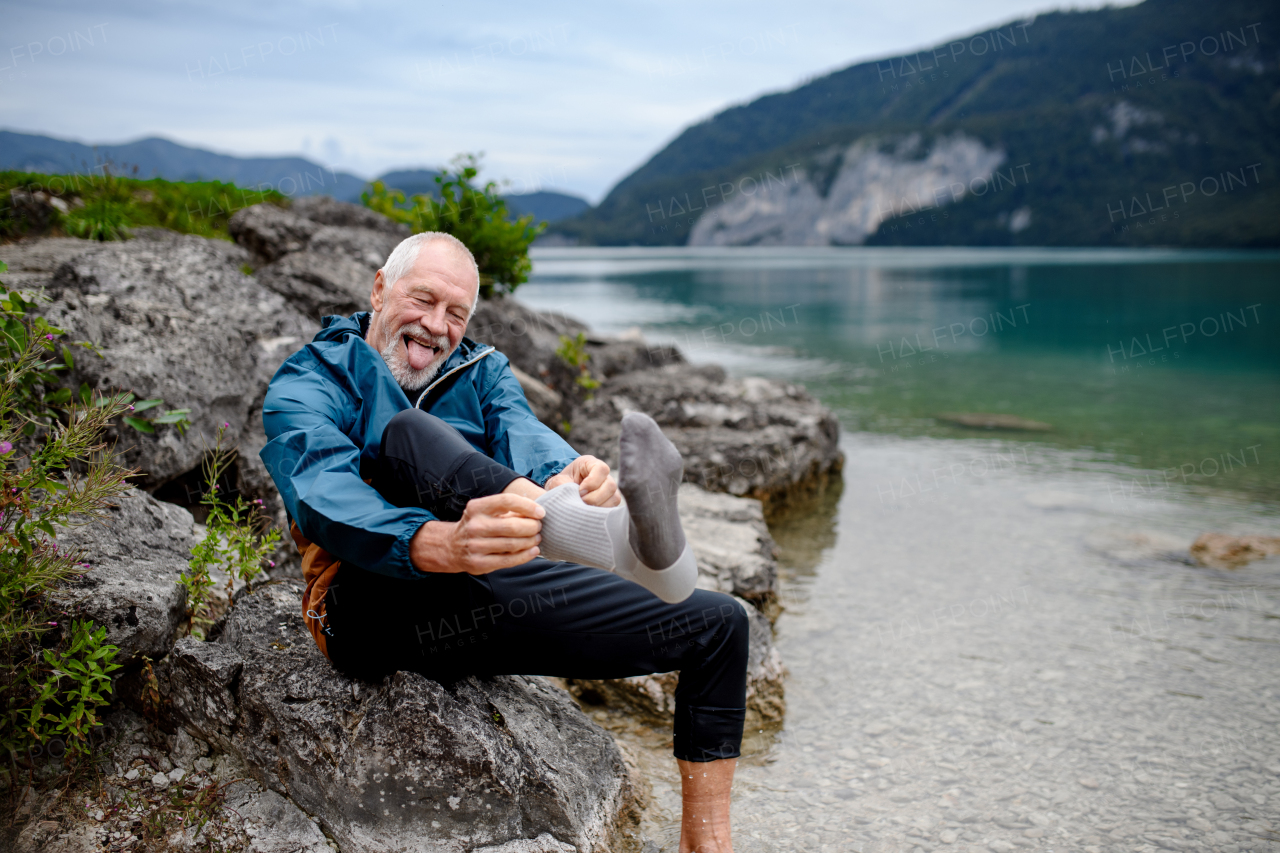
419 354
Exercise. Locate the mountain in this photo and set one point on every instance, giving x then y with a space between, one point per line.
1154 124
159 158
546 205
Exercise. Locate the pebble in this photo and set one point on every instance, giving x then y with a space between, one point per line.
132 774
160 780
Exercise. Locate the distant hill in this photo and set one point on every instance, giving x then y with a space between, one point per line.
546 205
293 176
160 158
1155 124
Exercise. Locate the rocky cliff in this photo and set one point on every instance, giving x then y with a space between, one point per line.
846 193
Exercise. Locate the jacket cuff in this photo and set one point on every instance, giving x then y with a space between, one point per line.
400 559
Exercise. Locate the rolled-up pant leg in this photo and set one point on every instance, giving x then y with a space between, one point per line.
538 618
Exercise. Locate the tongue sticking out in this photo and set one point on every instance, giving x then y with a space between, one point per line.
419 356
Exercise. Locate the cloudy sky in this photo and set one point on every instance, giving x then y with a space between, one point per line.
568 96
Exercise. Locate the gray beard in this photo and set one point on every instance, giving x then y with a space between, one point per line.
410 381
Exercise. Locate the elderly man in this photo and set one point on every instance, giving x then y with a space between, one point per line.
445 530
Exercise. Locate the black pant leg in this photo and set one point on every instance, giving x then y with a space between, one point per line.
425 462
563 619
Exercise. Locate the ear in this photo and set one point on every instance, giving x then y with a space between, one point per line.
377 297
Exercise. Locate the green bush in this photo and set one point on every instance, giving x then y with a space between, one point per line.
239 540
105 206
55 671
475 215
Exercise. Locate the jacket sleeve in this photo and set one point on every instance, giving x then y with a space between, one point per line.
517 438
316 468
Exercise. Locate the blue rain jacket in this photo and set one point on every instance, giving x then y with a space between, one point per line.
324 415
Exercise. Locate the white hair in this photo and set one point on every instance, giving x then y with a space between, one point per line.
405 255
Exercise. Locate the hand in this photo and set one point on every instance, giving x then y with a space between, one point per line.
495 532
594 483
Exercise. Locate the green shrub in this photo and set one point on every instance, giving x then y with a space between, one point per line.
573 352
55 670
475 215
105 206
239 540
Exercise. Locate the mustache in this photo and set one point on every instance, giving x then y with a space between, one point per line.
416 331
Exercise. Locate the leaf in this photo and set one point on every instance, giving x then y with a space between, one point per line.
143 405
173 416
86 394
139 424
62 395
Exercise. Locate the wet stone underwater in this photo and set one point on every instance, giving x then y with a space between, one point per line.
1024 660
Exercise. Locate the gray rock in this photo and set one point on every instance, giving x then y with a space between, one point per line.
652 697
407 764
270 232
546 403
735 552
327 210
272 823
365 246
137 553
750 436
176 319
530 339
319 284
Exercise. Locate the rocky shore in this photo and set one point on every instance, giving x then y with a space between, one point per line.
306 759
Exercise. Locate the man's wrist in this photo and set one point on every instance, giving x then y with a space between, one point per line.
428 546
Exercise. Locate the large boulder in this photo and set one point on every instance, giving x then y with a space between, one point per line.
749 436
729 536
178 319
270 232
531 339
136 554
327 210
321 254
406 764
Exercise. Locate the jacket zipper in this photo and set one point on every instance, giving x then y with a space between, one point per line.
439 379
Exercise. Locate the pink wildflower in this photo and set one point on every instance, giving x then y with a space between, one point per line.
271 563
48 337
5 447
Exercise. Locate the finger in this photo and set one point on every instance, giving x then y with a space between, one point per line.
606 495
497 505
483 565
596 475
507 526
497 545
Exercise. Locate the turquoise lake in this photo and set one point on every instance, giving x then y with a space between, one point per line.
1165 362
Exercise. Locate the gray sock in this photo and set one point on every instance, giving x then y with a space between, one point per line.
649 473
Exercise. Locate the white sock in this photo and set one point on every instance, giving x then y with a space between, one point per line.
576 532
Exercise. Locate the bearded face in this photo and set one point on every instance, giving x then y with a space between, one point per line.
419 319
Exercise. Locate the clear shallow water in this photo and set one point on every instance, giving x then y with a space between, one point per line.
998 643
